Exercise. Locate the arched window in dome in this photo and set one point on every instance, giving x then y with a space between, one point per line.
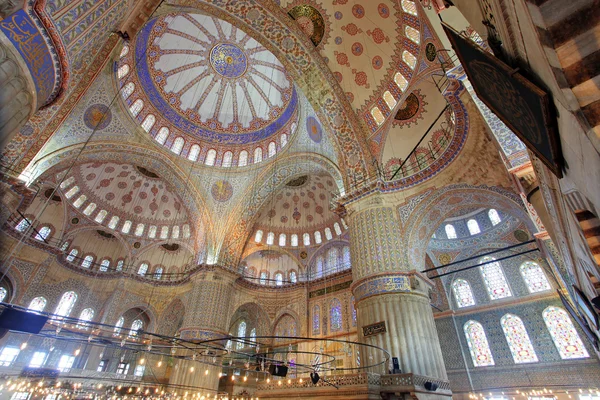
316 320
136 326
120 265
227 159
80 200
114 221
162 135
473 227
148 122
123 71
293 277
346 263
306 239
23 225
175 232
89 209
72 192
139 229
463 293
126 227
119 326
164 232
494 216
478 344
87 261
565 336
3 293
283 140
104 265
178 144
143 269
319 266
328 234
101 216
136 107
258 236
67 182
263 277
338 230
409 59
251 272
194 152
72 255
66 303
518 339
377 115
43 233
409 6
84 318
124 51
37 304
282 239
412 34
400 81
186 231
243 158
158 273
270 238
389 99
211 157
294 240
494 279
127 90
241 333
272 149
335 315
279 279
65 246
318 239
534 277
450 231
152 231
333 259
258 156
253 334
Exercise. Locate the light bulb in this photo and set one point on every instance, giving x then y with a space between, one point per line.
77 352
142 361
159 364
191 369
23 345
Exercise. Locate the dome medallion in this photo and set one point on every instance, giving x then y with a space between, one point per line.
228 60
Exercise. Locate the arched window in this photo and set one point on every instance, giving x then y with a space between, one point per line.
175 232
136 107
80 200
227 159
243 158
353 305
126 227
412 34
450 231
335 315
194 152
409 7
389 99
211 157
409 59
565 336
148 122
463 293
139 229
127 90
316 320
494 279
400 81
124 51
333 259
90 208
473 227
178 144
328 234
67 182
279 279
270 238
122 71
118 326
241 332
152 231
65 246
158 273
85 317
346 263
72 192
37 304
87 261
136 326
377 115
164 232
72 255
100 216
319 264
272 149
282 239
518 339
258 156
114 221
293 277
494 216
318 239
66 303
263 277
186 231
306 239
478 344
253 335
294 240
338 230
23 225
258 236
43 233
283 140
143 269
120 265
162 135
3 293
104 265
534 277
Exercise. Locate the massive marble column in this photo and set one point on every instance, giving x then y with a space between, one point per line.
389 291
206 317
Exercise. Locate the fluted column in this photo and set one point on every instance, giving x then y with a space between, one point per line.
389 291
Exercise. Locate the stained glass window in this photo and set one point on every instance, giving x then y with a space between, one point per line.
409 59
3 293
85 317
136 107
294 240
143 269
37 304
162 135
124 51
338 230
164 232
158 273
241 333
494 217
389 99
211 157
257 155
333 259
227 159
80 200
72 255
38 359
7 356
282 239
450 231
65 246
353 305
66 303
306 239
127 90
120 265
136 326
478 344
152 231
400 81
72 192
177 146
565 337
122 71
114 221
279 279
90 208
318 238
328 234
377 115
473 227
263 277
412 34
23 225
87 261
518 339
104 265
270 238
194 152
316 321
258 236
243 158
534 277
67 182
319 267
139 229
283 140
272 149
286 327
335 315
409 7
148 122
118 326
346 257
186 231
494 279
100 216
293 277
463 293
43 233
126 227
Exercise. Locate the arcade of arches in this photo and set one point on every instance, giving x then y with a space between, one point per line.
293 198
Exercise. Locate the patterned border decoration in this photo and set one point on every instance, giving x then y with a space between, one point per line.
381 285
